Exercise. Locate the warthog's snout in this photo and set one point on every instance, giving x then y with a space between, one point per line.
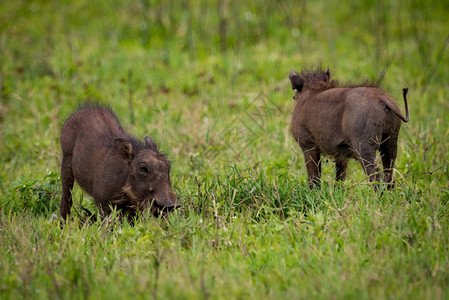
167 202
164 208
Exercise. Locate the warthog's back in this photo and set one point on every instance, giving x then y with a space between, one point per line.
369 112
86 138
92 125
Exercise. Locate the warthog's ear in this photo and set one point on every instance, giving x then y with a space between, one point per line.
328 74
124 148
149 142
297 81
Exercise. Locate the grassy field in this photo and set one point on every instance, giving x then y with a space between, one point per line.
208 80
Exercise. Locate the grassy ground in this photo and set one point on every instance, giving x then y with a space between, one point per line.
208 80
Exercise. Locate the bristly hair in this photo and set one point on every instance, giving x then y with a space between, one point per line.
365 83
91 104
316 80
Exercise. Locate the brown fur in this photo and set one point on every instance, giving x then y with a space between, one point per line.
112 166
344 122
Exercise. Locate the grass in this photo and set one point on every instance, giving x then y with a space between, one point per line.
208 80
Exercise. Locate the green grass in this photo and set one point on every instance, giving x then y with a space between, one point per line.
218 102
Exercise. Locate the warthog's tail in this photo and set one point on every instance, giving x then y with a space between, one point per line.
395 109
404 95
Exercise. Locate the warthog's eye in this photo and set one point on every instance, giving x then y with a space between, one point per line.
143 169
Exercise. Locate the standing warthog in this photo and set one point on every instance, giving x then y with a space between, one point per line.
344 122
113 167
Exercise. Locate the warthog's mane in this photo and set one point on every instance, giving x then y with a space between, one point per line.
314 80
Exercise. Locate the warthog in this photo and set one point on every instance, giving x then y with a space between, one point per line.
113 167
345 122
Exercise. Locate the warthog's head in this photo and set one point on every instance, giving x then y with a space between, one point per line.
312 80
148 183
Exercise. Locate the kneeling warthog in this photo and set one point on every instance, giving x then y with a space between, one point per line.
345 122
116 169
